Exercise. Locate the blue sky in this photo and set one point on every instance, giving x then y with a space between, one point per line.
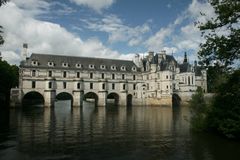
102 28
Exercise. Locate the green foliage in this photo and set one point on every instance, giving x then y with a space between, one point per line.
1 38
215 77
199 111
225 114
221 48
8 80
3 2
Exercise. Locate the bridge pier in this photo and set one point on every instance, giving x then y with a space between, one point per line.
123 98
49 98
102 98
78 98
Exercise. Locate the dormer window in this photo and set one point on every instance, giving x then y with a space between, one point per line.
123 68
51 64
134 68
34 63
103 67
91 66
78 65
113 67
65 64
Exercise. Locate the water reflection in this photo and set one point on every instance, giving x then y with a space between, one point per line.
107 133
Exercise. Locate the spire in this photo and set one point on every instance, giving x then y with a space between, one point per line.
185 58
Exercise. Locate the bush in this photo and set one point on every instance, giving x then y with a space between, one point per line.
199 111
224 116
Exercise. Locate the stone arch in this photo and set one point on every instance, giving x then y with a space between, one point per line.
90 96
62 96
33 98
113 98
129 99
176 100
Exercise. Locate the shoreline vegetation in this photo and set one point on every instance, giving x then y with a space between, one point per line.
8 79
221 114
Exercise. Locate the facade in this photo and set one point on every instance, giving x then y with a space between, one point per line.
152 80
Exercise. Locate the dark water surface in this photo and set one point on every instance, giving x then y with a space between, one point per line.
116 133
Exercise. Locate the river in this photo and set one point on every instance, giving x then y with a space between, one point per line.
112 133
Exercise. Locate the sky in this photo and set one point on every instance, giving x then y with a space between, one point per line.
102 28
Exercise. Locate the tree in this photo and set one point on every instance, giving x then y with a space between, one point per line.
199 111
1 38
219 52
224 116
222 34
9 79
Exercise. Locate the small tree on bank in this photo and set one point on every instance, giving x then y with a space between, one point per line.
224 116
199 111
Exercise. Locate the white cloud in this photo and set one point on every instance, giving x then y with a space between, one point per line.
43 37
157 41
97 5
118 31
183 36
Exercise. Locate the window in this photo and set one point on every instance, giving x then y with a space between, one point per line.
103 86
64 74
102 67
33 84
78 74
134 77
34 63
113 76
91 66
91 85
167 86
123 76
64 85
134 68
113 86
124 86
33 73
49 73
91 75
170 77
50 64
50 85
102 75
78 65
166 76
134 86
65 64
113 67
123 68
78 85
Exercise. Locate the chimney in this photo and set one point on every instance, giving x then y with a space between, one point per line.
185 58
24 51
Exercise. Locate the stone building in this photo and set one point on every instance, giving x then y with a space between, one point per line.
152 80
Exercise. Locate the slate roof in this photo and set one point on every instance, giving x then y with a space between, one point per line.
43 60
185 67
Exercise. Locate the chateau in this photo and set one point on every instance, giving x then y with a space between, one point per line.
155 79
